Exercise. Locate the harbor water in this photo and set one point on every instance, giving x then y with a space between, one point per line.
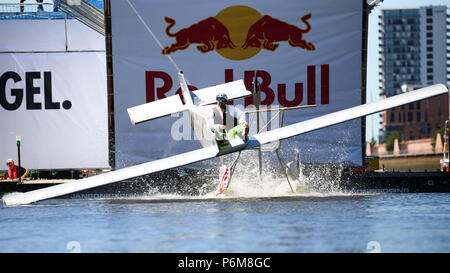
302 222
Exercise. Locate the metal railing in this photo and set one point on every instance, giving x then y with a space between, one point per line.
26 7
83 12
13 11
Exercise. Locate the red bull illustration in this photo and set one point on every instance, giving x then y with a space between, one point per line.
210 33
239 33
268 30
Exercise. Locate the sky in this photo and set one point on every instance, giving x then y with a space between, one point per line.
372 121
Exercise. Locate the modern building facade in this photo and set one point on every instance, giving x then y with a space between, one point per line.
414 49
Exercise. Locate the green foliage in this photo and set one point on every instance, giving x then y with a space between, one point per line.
373 141
390 139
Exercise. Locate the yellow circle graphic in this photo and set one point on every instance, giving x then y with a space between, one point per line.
238 20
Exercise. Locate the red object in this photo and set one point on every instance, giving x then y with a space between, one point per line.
223 185
12 174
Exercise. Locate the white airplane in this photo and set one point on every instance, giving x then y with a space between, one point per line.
195 102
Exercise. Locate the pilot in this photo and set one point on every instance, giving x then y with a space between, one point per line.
225 116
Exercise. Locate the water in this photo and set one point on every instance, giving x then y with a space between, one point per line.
307 222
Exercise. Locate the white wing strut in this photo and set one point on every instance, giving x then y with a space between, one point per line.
212 151
15 199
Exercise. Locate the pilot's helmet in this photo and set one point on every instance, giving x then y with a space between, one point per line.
222 97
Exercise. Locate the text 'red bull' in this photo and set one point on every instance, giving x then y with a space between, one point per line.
153 92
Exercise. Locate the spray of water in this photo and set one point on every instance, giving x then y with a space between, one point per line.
248 183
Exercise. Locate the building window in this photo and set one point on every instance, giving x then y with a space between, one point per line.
429 34
429 42
399 117
429 49
410 116
411 106
418 116
392 117
429 20
428 128
430 70
430 27
418 105
430 77
429 12
430 56
430 63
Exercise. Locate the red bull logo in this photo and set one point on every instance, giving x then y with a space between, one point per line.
238 33
210 33
267 31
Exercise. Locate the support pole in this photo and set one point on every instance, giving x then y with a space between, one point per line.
257 102
285 171
19 175
110 85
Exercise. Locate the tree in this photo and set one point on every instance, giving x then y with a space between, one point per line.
390 139
373 141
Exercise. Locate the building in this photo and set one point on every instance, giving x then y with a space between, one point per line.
417 120
414 52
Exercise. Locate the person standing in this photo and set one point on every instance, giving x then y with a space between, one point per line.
15 172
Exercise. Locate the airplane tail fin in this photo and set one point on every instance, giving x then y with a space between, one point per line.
162 107
156 109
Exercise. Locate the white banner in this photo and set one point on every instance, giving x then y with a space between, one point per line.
57 103
48 35
305 52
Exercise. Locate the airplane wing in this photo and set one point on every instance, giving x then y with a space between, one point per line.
213 151
15 199
234 90
346 115
156 109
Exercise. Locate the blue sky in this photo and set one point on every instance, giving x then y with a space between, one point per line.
372 56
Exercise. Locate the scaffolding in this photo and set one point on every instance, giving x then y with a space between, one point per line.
81 10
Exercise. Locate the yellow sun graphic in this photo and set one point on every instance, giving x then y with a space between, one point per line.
238 20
